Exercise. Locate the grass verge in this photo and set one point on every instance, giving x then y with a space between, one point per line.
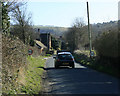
33 75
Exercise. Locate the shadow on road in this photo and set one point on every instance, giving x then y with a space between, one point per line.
50 68
80 80
62 67
57 68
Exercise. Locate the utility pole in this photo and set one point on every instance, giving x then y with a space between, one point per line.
47 40
89 31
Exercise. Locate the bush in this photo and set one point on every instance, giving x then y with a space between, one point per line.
107 48
107 44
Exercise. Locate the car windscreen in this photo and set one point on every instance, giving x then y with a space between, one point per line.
65 56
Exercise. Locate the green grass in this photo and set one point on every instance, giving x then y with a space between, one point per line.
29 77
33 75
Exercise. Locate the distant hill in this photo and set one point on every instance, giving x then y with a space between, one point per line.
96 29
99 28
56 31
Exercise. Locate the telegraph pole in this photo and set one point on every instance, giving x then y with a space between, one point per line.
89 32
47 41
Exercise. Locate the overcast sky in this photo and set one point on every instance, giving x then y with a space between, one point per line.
63 12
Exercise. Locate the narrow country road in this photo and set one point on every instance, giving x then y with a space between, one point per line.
80 80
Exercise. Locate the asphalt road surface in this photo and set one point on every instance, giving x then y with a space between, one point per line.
80 80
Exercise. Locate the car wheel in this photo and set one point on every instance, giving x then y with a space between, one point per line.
73 65
56 66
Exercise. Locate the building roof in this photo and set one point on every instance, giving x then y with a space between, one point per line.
40 44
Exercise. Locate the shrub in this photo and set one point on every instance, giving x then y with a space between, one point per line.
107 44
107 48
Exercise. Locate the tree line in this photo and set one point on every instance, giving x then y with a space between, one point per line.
106 44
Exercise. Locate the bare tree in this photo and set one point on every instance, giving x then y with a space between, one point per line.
76 35
7 8
23 25
78 23
13 4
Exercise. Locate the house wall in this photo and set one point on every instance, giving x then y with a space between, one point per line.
46 39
